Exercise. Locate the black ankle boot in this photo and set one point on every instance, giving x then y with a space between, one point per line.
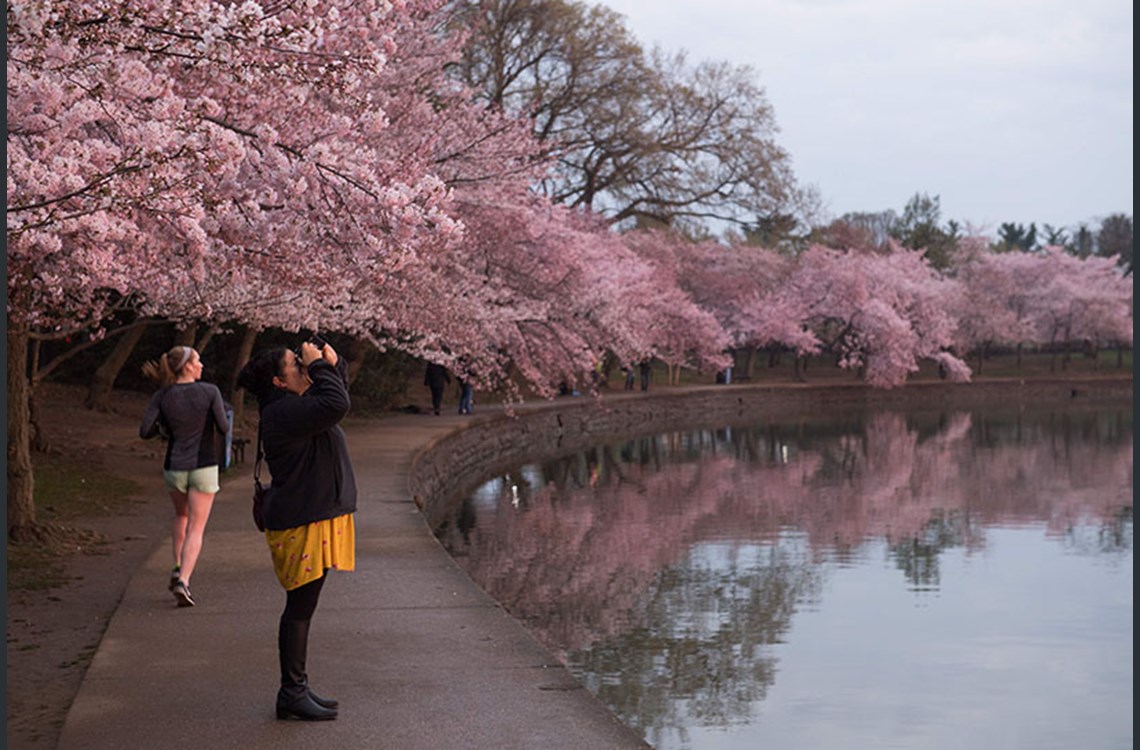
295 699
303 707
323 702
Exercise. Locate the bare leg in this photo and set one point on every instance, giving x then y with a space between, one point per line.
178 525
200 504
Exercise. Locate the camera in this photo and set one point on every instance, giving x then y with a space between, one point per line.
315 340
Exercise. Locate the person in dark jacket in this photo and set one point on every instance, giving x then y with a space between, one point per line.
436 378
309 505
189 414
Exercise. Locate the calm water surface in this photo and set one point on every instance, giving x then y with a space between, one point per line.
889 580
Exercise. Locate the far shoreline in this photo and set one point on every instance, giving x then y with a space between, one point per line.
461 459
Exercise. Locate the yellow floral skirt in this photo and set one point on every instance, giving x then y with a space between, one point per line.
302 554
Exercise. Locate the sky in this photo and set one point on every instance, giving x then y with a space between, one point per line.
1005 110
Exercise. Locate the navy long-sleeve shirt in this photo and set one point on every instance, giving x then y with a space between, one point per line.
192 414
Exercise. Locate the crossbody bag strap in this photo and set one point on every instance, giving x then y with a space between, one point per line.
260 455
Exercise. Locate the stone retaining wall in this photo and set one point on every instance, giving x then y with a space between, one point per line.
452 466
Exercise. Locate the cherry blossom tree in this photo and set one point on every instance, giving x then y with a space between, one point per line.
996 301
1081 300
196 160
534 291
296 166
1043 298
879 313
542 294
708 343
738 285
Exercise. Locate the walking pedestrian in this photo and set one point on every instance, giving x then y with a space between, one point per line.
310 503
629 376
189 414
436 378
466 396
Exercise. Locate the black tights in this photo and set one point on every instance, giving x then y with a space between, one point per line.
293 635
301 602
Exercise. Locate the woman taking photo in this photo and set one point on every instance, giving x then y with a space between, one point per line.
189 414
309 505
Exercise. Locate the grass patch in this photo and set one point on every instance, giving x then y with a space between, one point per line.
66 490
35 567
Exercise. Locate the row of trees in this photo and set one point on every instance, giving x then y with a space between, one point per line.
348 166
920 225
882 312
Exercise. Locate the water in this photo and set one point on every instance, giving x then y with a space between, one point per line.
892 581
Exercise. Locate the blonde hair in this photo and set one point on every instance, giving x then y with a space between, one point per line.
169 366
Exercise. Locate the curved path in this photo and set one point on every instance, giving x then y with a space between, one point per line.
418 656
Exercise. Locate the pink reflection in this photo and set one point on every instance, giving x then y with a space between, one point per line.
594 541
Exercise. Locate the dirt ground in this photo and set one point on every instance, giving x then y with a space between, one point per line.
54 632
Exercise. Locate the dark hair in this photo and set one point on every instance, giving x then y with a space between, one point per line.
258 373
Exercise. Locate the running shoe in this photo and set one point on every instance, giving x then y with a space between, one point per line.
182 594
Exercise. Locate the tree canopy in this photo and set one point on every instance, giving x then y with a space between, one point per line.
321 165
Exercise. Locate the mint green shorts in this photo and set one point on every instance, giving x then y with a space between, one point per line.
204 479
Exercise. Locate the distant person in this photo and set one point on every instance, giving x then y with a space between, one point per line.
646 370
466 396
436 378
189 414
630 378
310 504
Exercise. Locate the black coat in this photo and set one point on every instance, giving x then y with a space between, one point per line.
436 376
306 452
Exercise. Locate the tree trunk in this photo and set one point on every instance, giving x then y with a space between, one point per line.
245 351
185 336
39 439
799 368
750 362
207 337
103 382
21 483
357 351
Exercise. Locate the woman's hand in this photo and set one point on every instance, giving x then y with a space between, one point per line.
310 354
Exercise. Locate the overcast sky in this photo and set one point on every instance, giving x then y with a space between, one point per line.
1007 110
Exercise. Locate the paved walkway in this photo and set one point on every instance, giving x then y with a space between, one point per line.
418 656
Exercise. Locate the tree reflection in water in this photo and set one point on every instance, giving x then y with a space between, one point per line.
663 569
